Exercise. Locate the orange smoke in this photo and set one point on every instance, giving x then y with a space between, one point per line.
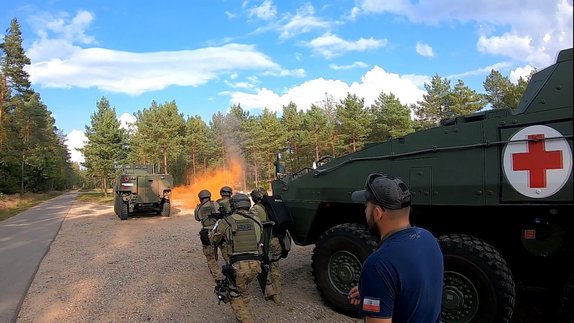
232 176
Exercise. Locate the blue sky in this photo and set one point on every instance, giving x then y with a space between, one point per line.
208 55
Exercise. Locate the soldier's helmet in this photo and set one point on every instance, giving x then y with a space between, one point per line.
204 194
226 191
240 202
257 194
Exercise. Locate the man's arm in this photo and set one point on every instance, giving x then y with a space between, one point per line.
218 232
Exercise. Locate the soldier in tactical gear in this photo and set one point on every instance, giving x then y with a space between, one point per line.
242 233
207 212
223 202
274 279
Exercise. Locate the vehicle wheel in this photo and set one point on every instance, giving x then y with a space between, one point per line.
166 209
117 201
337 262
478 285
567 301
123 208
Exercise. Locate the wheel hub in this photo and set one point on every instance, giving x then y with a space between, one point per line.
344 271
460 298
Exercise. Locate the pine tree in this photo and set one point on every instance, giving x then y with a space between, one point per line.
436 104
392 119
353 122
107 144
160 134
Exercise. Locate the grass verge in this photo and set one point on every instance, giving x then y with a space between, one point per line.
94 196
11 205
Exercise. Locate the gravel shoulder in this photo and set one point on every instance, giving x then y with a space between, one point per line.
151 269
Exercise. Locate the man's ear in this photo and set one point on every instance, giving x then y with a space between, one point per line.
379 212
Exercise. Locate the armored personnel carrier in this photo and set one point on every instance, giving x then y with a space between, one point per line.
495 187
139 189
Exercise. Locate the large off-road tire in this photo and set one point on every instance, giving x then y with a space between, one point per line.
166 209
478 285
337 262
123 210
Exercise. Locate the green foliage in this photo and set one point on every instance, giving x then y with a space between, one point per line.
160 134
464 100
33 155
107 144
436 102
391 118
353 122
292 122
501 93
316 124
442 102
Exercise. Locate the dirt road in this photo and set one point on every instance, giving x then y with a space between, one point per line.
151 269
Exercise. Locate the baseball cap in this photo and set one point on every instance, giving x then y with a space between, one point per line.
388 191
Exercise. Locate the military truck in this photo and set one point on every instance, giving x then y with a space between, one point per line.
138 188
495 187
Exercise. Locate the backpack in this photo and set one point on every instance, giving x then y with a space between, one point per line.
278 213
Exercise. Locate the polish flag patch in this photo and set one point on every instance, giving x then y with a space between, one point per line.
371 304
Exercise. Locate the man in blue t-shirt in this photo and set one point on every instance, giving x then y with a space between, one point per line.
402 280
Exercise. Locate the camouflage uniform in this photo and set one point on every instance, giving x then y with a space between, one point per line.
203 213
275 278
242 231
224 203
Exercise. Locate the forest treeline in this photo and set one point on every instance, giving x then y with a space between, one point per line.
33 155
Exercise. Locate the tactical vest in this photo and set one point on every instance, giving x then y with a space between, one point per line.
204 214
243 234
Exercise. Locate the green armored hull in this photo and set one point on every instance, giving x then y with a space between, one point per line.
139 189
495 187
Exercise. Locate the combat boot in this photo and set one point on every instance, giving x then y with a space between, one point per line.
276 299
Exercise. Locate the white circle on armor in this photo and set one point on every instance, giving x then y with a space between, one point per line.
537 161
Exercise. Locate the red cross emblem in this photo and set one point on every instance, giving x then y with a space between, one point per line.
537 161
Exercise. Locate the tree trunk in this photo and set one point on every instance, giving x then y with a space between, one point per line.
165 170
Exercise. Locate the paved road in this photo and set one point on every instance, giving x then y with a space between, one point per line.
24 241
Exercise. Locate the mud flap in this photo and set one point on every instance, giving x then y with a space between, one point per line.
265 246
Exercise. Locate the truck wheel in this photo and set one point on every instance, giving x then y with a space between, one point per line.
337 262
116 206
478 285
166 209
123 207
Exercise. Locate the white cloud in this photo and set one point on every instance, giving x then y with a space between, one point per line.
519 72
348 67
266 11
127 121
424 50
135 73
329 45
406 87
58 63
74 30
302 22
76 139
529 31
481 71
